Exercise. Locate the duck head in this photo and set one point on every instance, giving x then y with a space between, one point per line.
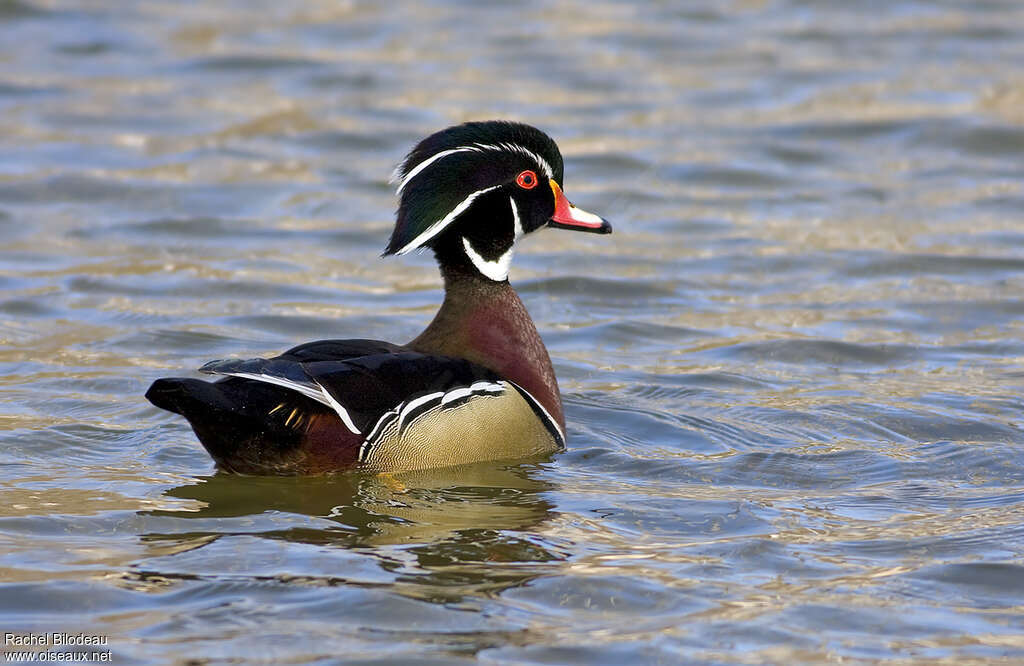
471 191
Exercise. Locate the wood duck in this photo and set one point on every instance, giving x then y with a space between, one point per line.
476 385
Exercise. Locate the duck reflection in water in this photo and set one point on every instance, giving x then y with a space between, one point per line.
448 532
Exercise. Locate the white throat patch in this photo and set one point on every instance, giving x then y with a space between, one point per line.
497 269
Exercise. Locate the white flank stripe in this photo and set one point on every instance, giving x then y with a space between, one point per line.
438 226
380 421
455 395
371 439
414 404
479 387
403 410
497 270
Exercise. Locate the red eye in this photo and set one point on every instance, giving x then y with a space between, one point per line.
527 180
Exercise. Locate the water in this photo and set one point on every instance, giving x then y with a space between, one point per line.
793 376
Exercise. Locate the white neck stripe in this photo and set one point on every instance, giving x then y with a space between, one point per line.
436 228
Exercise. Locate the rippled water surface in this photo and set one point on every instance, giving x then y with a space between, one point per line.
793 376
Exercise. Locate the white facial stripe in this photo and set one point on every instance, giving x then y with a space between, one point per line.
516 148
476 148
427 162
436 228
497 270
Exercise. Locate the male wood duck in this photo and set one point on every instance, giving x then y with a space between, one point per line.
476 385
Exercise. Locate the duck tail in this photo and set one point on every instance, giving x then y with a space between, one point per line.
222 425
188 397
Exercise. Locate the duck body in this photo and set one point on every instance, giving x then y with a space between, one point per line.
280 415
476 385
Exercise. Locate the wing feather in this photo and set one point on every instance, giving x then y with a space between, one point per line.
287 374
367 391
